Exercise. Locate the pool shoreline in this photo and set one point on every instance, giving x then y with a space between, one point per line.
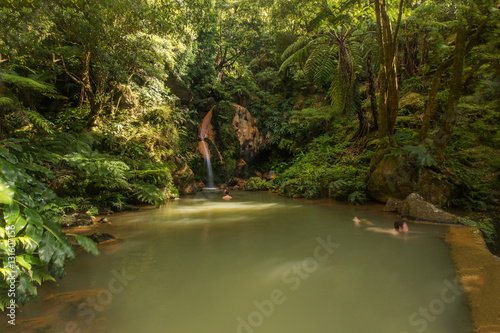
479 273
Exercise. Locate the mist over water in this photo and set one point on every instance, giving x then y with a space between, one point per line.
264 264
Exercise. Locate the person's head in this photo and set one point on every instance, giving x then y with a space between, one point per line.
226 192
400 226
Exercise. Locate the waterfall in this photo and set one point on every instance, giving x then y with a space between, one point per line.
204 130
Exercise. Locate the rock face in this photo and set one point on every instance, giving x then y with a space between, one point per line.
393 205
247 133
390 179
183 177
416 208
394 177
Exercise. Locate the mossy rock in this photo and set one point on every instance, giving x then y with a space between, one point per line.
413 103
394 177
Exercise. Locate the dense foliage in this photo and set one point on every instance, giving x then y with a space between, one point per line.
100 104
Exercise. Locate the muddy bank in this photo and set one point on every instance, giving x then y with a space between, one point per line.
479 273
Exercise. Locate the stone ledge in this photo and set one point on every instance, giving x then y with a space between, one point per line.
479 273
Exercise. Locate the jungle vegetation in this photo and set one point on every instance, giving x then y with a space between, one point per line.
100 103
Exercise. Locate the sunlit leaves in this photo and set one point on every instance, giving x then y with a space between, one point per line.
34 249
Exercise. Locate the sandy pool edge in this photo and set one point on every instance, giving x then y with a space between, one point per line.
479 273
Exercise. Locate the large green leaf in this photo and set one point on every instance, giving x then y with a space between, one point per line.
13 217
41 275
47 247
34 234
87 244
11 213
25 289
33 217
6 194
21 261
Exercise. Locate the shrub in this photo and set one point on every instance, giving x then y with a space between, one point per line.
257 184
34 249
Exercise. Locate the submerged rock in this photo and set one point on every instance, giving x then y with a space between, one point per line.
416 208
104 221
101 237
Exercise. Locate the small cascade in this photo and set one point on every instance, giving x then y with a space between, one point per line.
204 131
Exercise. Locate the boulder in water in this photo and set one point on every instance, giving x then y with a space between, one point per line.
393 205
416 208
101 237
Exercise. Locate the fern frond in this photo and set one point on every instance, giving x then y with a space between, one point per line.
38 120
149 193
315 60
40 275
27 83
6 102
295 58
300 44
336 93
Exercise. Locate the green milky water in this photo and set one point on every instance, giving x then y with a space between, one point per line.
264 264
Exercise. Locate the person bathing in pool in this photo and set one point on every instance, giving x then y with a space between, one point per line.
400 227
227 196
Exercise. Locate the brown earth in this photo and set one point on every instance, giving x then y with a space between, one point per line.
479 274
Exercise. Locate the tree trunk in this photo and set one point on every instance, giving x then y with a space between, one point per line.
431 102
371 89
387 40
450 117
95 105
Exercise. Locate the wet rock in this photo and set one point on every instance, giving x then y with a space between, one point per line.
393 205
104 211
77 220
104 221
190 188
416 208
183 177
247 133
101 237
132 208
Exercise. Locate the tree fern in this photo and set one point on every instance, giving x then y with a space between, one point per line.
149 193
28 84
297 46
38 120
